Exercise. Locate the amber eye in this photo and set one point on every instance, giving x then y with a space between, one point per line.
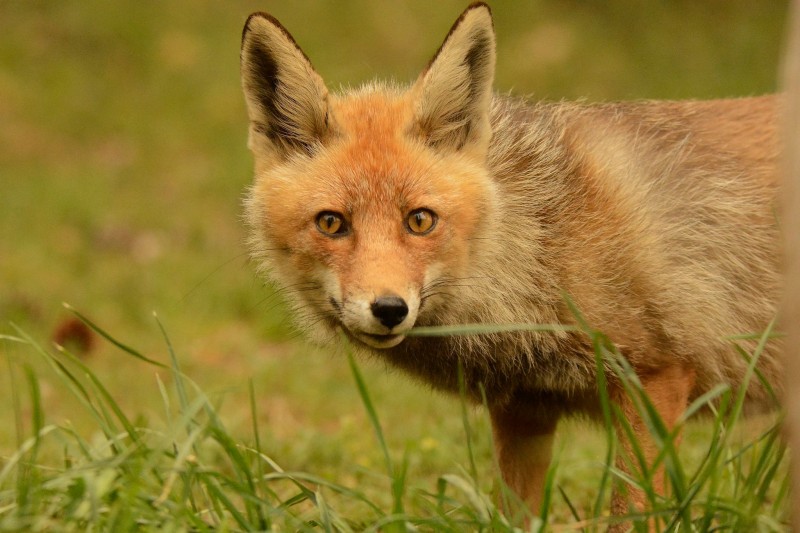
331 224
421 221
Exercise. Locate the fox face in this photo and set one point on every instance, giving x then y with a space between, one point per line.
367 205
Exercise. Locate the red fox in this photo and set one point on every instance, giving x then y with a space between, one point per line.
441 203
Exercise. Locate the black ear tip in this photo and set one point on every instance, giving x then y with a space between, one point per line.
478 9
250 21
479 5
254 18
260 16
475 5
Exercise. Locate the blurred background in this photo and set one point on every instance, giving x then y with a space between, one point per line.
123 162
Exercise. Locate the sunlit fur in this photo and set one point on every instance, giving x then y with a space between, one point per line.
656 218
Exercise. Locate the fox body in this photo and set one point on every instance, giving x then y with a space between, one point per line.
441 203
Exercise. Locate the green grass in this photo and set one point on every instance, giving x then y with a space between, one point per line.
184 470
122 165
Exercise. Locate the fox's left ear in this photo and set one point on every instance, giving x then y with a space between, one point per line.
454 92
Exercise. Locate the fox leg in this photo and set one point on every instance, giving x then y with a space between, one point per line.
668 389
523 442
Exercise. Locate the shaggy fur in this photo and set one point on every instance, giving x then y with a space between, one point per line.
656 218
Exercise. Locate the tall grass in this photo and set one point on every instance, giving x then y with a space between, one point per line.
184 471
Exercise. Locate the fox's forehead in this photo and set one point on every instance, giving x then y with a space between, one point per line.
372 113
373 151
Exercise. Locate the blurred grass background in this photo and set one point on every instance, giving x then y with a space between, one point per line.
123 163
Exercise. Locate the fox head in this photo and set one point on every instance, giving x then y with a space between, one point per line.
368 206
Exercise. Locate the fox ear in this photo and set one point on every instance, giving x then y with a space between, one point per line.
286 99
454 92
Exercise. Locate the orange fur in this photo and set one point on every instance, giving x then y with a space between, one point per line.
655 217
669 389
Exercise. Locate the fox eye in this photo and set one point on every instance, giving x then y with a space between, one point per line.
421 221
331 224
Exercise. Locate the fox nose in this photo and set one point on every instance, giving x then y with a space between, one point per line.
389 310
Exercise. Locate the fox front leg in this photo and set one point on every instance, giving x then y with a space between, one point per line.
669 390
523 442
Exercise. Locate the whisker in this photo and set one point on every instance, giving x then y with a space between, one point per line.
441 293
284 291
276 249
209 276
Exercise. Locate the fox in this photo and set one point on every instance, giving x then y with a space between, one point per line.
390 207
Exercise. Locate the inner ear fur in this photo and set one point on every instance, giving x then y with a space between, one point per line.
287 101
454 92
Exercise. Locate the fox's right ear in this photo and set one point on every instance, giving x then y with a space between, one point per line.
454 93
287 100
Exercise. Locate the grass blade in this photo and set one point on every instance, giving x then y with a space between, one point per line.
100 331
397 477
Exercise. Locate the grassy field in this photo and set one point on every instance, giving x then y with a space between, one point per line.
122 167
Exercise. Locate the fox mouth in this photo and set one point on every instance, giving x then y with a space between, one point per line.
373 340
379 341
393 333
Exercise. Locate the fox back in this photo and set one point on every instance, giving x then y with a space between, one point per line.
440 203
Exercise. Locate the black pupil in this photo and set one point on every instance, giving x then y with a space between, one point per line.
419 218
328 222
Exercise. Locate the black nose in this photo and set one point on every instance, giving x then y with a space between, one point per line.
389 310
